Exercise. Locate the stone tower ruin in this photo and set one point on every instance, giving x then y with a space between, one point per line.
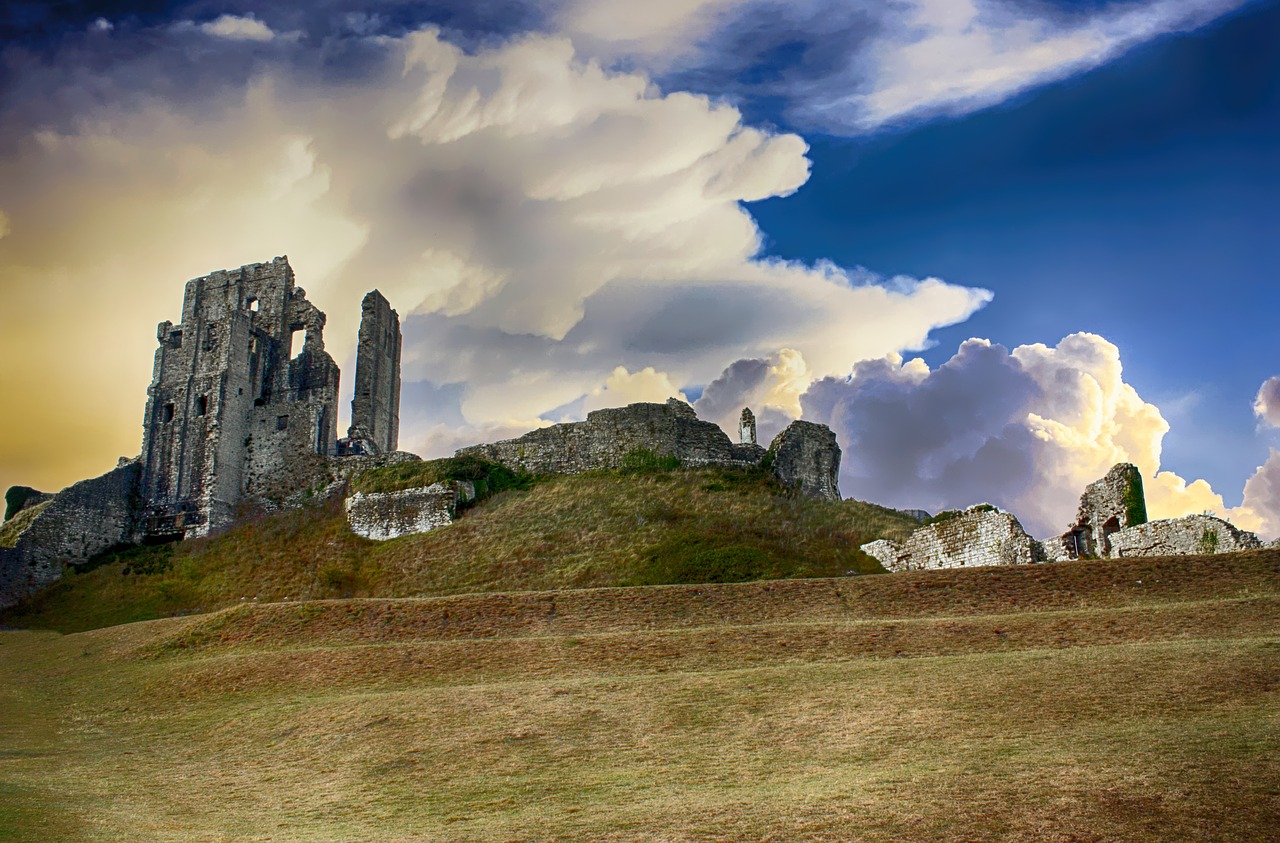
235 408
747 427
375 407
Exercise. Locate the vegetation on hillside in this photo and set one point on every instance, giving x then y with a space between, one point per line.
645 524
489 478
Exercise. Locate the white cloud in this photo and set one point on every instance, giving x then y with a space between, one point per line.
623 387
537 220
102 25
1026 430
1267 403
857 66
238 28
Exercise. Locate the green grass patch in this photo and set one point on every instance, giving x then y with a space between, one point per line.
489 477
14 527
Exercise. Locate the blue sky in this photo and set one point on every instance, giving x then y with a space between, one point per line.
811 207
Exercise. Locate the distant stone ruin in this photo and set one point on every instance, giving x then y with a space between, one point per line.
1107 506
232 414
1192 534
747 427
805 455
980 535
1111 522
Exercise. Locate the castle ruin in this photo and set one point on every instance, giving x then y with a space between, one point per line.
232 412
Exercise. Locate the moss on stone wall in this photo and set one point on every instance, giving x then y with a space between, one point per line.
1135 502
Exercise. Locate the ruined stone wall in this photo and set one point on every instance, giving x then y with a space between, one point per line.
807 456
388 515
607 436
73 526
1193 534
1107 506
375 407
981 535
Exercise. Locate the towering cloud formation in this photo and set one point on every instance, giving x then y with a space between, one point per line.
538 220
1025 429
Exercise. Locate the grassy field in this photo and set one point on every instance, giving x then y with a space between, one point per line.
589 531
1129 700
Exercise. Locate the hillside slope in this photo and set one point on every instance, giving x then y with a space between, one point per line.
1134 700
585 531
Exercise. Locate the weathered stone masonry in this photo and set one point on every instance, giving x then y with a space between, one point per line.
375 407
230 411
805 455
980 535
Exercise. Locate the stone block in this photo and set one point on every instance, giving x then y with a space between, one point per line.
388 515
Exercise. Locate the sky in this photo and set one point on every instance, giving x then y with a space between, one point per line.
996 245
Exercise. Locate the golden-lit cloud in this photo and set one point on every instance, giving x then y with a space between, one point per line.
538 221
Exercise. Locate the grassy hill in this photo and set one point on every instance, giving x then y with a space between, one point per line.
1134 700
641 527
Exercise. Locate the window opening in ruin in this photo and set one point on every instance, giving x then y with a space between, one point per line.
202 405
251 303
175 339
168 412
295 347
282 422
210 338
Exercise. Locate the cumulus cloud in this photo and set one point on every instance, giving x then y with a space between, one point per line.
538 220
1025 429
238 28
1267 403
625 387
1262 497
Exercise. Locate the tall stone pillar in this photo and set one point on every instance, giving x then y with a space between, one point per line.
375 409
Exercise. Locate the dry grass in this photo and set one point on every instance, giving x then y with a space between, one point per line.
589 531
1135 701
12 529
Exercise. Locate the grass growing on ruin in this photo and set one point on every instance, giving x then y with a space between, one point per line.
636 526
931 706
489 477
14 527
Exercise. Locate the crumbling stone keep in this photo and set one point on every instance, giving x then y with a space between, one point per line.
375 408
229 409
